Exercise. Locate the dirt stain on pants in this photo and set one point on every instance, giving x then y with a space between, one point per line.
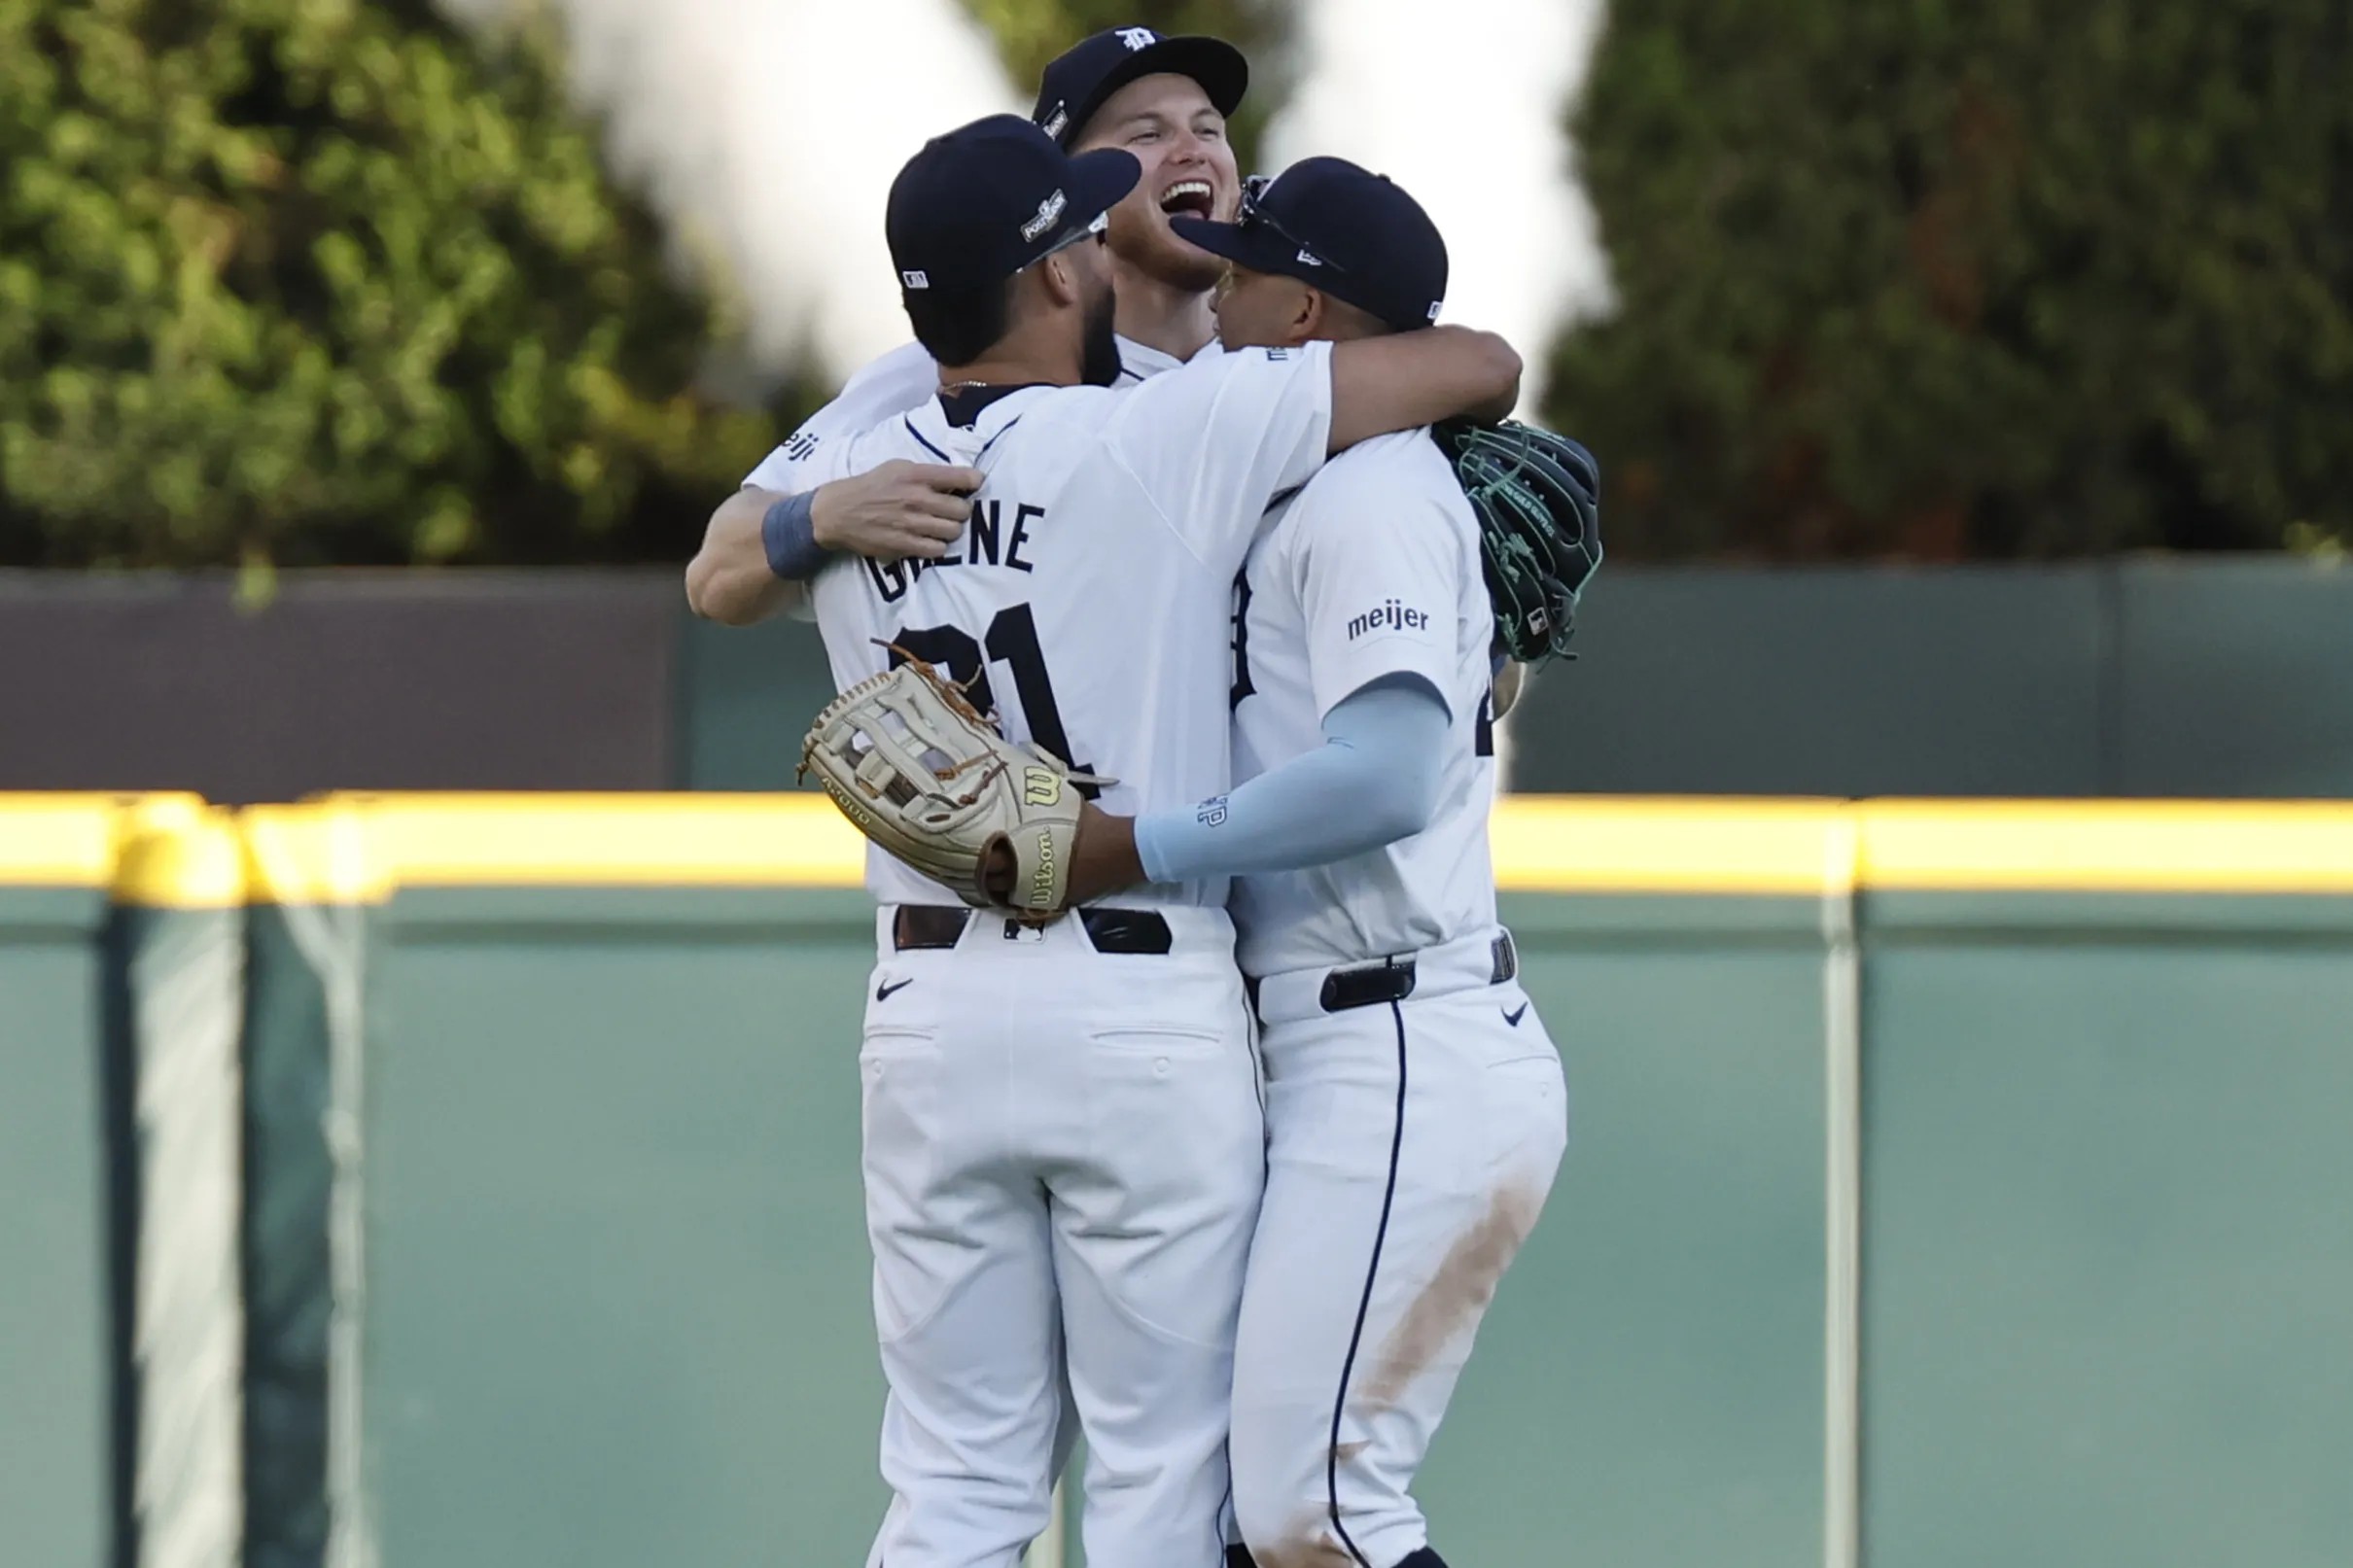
1450 1304
1456 1297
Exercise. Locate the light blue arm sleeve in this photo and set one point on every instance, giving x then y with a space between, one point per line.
1374 780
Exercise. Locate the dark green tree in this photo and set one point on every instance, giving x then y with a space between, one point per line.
329 280
1032 32
1930 278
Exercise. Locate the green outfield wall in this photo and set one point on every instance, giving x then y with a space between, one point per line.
1946 1183
56 1314
2132 676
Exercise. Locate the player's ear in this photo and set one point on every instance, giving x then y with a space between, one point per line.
1058 273
1312 316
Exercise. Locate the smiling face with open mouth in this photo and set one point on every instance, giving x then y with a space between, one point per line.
1179 136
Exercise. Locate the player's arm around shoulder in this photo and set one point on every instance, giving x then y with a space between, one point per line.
1215 441
728 580
1405 380
755 560
763 545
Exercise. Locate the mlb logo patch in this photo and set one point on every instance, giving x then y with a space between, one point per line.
914 280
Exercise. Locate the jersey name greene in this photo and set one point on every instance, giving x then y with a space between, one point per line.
989 540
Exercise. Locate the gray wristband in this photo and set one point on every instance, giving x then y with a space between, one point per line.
788 534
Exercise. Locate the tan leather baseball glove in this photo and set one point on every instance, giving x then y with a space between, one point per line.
923 774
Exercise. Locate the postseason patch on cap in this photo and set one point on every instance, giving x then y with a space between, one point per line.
1049 213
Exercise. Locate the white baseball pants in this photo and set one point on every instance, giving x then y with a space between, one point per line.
1411 1148
1062 1158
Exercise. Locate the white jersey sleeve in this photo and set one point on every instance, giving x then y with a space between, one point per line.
882 390
1215 443
1377 568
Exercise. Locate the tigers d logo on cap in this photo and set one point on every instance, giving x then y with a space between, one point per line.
1082 77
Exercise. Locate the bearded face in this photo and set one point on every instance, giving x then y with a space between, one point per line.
1099 355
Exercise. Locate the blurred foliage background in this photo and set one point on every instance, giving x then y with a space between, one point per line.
324 280
2003 278
330 281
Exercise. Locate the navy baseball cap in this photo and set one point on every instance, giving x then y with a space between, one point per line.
1353 233
1078 81
977 205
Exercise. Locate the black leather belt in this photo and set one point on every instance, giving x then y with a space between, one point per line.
1391 980
1110 931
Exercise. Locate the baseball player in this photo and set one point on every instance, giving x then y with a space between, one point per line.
1161 99
1416 1111
1062 1132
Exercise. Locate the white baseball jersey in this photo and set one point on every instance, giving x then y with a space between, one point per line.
1090 599
900 380
1410 1146
1371 569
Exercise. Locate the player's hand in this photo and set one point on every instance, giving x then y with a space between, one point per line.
899 510
997 872
1103 860
1102 857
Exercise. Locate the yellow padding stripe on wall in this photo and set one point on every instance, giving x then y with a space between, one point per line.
166 848
360 848
175 851
1583 844
2250 847
58 841
326 853
181 853
521 841
1604 843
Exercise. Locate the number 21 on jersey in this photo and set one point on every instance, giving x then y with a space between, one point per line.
1011 640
